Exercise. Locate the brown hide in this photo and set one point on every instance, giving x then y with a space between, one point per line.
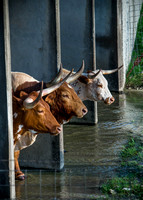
38 119
28 87
84 79
65 104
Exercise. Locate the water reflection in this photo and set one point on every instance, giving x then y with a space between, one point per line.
91 153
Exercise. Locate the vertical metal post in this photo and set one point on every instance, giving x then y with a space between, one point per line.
7 178
94 52
121 73
58 39
9 97
93 34
58 33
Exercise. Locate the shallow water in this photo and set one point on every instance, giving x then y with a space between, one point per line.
91 153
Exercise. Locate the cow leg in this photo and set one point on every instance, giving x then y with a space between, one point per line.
18 174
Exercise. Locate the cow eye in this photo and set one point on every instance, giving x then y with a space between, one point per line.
40 111
65 95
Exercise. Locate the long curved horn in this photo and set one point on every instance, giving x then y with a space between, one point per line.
57 78
111 71
56 86
77 74
94 75
30 103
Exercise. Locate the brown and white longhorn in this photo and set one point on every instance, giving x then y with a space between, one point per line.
93 86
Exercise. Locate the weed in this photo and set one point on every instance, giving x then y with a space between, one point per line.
129 179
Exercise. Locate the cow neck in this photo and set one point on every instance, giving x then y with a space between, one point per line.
62 118
20 129
61 115
56 108
80 89
18 126
24 140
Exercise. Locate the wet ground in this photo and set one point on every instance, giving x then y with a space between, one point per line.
91 153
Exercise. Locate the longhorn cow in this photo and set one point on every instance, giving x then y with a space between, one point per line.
93 86
64 102
32 115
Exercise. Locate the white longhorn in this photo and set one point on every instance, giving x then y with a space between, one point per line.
93 86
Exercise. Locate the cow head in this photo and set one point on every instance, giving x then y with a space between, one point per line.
65 103
96 86
34 113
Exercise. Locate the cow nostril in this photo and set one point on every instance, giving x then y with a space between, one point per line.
112 99
59 129
84 111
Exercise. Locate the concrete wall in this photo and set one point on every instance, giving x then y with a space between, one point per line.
106 39
33 38
34 51
76 35
77 41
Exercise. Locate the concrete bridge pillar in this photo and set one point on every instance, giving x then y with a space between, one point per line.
7 179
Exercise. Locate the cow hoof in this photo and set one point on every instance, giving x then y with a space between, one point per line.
20 177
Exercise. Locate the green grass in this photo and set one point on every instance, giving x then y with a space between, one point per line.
129 179
135 81
123 186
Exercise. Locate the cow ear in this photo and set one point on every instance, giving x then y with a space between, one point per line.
84 79
47 99
23 95
17 100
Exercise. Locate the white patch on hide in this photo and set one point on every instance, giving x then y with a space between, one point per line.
25 140
18 136
32 131
15 115
19 128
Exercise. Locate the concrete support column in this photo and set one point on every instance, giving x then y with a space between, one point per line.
59 139
94 52
7 179
122 72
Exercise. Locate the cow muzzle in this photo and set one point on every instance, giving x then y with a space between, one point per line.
84 111
109 100
81 112
57 130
